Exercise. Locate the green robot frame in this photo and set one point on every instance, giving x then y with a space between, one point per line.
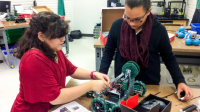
120 89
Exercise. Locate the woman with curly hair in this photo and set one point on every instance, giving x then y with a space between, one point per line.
43 68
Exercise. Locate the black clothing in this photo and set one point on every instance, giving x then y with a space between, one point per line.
159 45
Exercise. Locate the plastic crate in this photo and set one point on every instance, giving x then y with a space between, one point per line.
11 48
195 27
14 35
13 60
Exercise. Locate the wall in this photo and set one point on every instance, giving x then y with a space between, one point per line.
86 13
190 9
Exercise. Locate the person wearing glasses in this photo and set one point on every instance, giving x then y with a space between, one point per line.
141 38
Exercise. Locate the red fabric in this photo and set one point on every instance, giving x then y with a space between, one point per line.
40 81
129 48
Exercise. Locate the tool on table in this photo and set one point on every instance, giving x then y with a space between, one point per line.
189 108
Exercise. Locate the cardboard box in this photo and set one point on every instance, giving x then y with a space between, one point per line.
109 15
38 9
25 12
155 108
28 14
191 74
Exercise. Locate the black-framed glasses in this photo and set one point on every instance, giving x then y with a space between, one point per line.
134 20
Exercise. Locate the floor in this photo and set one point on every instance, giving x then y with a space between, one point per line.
81 54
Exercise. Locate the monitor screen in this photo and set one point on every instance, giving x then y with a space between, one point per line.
4 5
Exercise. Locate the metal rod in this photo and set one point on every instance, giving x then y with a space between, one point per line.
7 48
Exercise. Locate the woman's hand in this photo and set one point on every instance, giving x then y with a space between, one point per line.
100 76
98 85
183 87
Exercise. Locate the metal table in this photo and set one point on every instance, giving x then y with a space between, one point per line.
13 25
189 55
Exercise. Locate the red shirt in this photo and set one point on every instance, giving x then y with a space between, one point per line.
40 81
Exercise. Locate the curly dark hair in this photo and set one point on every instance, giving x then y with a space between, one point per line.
51 25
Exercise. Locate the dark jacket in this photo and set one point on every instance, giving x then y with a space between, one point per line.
159 45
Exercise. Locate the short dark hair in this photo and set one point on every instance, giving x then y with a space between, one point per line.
51 25
136 3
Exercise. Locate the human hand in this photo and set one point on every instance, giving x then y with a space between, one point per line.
98 85
183 87
101 76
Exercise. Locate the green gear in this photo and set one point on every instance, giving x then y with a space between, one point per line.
101 101
133 67
115 107
140 85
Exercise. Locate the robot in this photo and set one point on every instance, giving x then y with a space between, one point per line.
191 39
120 89
181 32
17 19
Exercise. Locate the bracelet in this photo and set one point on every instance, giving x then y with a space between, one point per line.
91 75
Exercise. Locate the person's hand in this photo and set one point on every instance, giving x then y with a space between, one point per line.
183 87
98 85
100 76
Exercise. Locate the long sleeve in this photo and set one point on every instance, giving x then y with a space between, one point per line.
169 59
109 50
